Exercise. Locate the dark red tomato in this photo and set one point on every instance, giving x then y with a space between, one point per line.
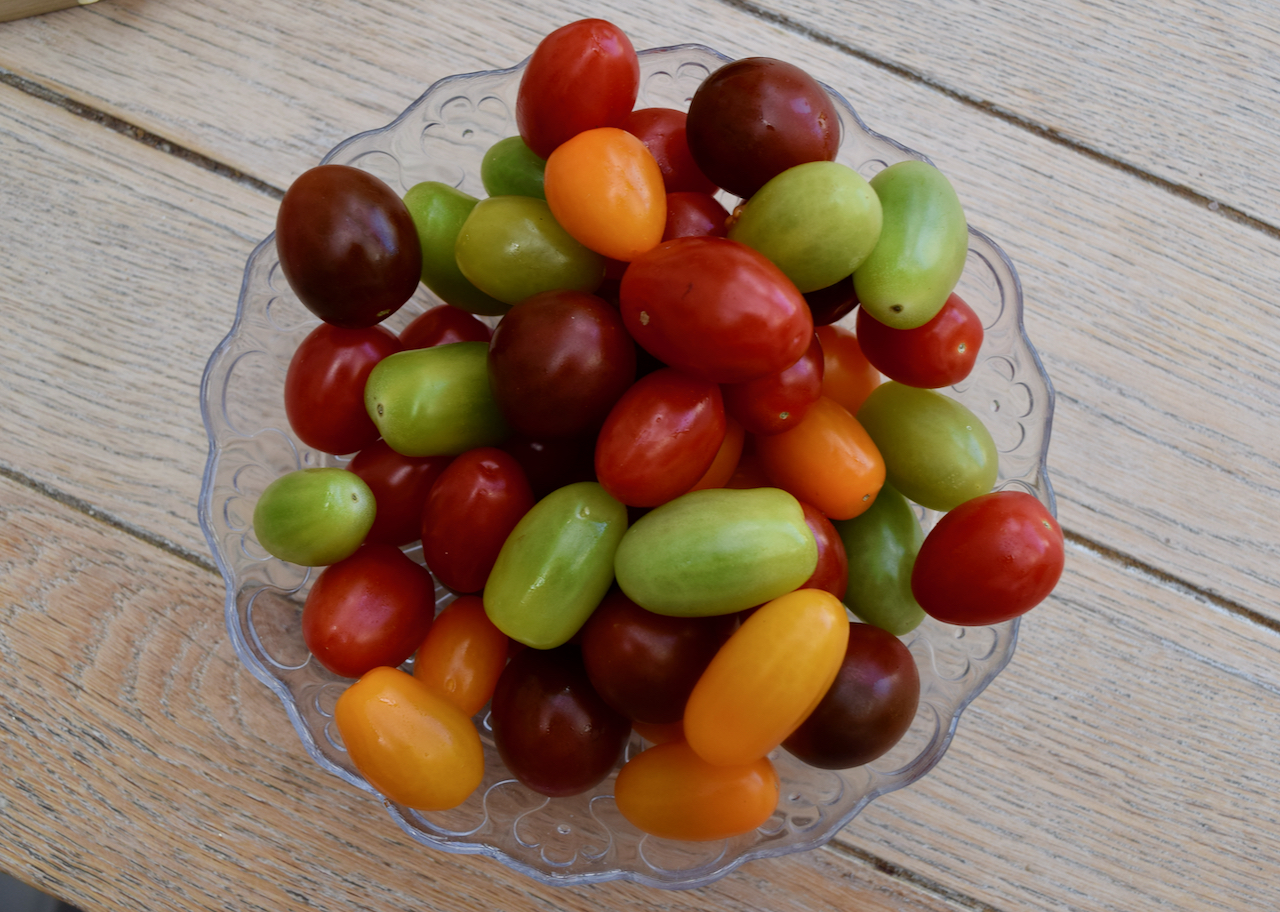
660 438
754 118
715 309
663 133
777 402
400 485
551 728
472 508
324 386
833 303
868 708
940 353
645 665
554 462
348 246
695 215
558 362
988 560
441 325
832 572
371 609
581 76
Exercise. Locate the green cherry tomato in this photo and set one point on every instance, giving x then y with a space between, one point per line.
936 451
511 247
435 401
438 212
556 565
510 168
817 222
923 244
314 517
716 551
882 545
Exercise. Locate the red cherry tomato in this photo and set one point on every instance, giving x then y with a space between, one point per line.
695 215
371 609
441 325
400 485
662 130
940 353
990 559
778 402
324 386
832 572
472 508
581 76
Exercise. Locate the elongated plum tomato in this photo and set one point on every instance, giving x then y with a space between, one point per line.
371 609
581 76
314 517
400 485
988 560
463 655
715 309
324 386
940 353
348 246
670 792
411 744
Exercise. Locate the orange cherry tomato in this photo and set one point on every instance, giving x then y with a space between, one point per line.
462 655
749 473
605 188
848 376
726 461
767 677
827 460
414 746
671 792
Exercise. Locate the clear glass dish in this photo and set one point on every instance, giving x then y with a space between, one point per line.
443 136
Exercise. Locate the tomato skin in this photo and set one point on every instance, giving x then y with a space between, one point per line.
940 353
552 104
694 215
324 386
441 325
660 438
471 509
881 545
371 609
463 655
662 130
832 572
315 516
725 464
715 309
400 485
778 402
553 462
992 558
832 303
412 745
847 376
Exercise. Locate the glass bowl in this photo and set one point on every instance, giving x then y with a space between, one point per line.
443 136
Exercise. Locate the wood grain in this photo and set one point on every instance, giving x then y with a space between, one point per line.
21 9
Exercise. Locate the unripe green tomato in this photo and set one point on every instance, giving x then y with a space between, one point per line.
438 212
510 168
512 247
882 545
817 222
716 551
923 244
556 565
936 451
435 401
314 517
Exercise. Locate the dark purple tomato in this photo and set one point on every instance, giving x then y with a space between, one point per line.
347 246
832 572
831 304
324 386
558 362
662 130
472 508
400 485
868 708
553 462
940 353
645 665
441 325
551 728
777 402
754 118
695 215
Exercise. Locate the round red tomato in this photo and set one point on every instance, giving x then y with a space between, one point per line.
990 559
441 325
694 215
940 353
324 386
832 572
400 485
662 131
778 402
372 609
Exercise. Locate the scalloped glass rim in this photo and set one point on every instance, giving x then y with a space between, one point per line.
442 136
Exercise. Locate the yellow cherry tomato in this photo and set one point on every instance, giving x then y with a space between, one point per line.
605 188
671 792
767 677
462 655
413 745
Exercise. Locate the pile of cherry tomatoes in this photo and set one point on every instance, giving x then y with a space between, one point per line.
660 485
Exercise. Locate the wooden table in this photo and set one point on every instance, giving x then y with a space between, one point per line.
1126 156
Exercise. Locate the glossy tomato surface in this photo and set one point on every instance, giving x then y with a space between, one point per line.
662 130
462 655
441 325
694 215
777 402
832 573
940 353
400 485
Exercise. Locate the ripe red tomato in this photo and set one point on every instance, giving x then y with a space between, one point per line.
374 608
990 559
662 130
694 215
400 485
581 76
940 353
832 572
441 325
778 402
324 386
